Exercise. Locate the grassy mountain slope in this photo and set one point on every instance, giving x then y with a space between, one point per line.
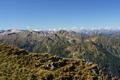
17 64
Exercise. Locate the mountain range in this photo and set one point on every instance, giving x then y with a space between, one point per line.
100 47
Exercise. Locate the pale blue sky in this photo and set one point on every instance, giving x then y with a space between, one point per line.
44 14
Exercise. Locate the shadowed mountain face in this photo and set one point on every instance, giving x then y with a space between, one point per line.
17 64
100 47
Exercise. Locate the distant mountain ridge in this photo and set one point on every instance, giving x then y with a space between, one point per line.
82 31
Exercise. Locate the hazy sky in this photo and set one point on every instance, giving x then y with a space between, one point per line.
44 14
